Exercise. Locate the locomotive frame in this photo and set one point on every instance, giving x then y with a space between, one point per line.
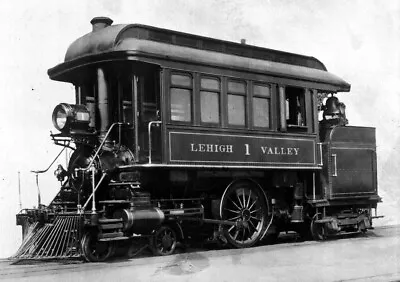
178 136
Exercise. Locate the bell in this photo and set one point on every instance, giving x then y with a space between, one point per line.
332 106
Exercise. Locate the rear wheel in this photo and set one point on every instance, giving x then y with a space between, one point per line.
94 250
318 230
243 204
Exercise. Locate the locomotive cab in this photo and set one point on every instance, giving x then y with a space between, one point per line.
123 93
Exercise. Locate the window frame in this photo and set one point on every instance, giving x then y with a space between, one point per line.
178 86
245 102
303 101
211 90
259 96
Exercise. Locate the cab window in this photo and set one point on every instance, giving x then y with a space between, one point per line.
236 103
261 105
210 89
295 107
181 97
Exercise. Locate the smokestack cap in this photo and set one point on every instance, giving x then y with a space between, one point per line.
100 23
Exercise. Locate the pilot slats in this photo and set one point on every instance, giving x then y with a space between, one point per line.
59 239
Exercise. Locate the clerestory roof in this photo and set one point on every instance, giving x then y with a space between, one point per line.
135 39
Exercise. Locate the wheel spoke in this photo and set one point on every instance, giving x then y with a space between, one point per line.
253 217
255 210
248 202
233 202
240 202
252 224
231 210
230 229
236 234
255 201
244 199
234 218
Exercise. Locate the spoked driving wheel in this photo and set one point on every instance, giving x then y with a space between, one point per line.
243 204
163 242
318 231
94 250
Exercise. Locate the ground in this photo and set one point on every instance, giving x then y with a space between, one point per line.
374 256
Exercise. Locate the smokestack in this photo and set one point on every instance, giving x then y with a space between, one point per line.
100 23
104 118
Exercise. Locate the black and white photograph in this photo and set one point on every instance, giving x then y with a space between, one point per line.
210 140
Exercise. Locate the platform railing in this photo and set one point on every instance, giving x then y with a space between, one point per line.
37 172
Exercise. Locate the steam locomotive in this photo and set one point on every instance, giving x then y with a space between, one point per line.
179 137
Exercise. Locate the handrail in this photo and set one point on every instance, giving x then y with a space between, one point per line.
37 172
320 153
149 135
45 170
334 157
92 167
95 187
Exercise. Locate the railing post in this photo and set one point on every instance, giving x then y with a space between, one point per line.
149 135
38 191
94 189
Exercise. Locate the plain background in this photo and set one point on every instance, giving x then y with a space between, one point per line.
357 40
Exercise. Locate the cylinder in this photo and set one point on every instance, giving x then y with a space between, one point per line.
140 220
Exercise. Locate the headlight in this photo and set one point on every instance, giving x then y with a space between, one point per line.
68 117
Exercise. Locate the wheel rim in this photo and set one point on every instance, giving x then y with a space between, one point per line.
164 241
317 230
94 250
243 205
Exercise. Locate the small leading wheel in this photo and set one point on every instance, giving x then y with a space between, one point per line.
318 231
94 250
163 242
243 204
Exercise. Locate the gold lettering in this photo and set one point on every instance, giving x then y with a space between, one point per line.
211 148
248 151
202 148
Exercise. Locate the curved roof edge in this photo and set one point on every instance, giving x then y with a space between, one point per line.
104 40
228 60
171 45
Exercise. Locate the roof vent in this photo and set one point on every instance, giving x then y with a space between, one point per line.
100 23
243 41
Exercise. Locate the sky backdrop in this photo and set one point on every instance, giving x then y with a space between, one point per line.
358 40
